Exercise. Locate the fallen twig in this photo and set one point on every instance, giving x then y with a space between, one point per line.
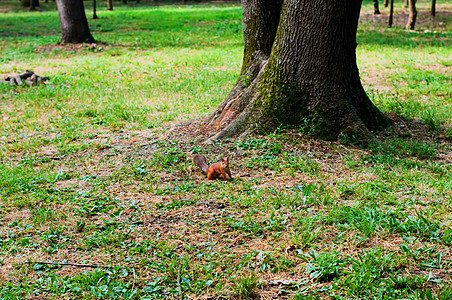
66 264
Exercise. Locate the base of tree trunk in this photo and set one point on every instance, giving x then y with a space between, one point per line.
250 121
244 111
302 75
74 25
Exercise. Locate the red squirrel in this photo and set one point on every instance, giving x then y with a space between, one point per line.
215 170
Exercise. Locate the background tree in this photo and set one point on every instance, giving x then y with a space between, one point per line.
74 25
30 3
412 15
391 13
34 4
94 10
302 69
109 4
433 9
376 9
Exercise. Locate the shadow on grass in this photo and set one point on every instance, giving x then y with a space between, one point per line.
402 38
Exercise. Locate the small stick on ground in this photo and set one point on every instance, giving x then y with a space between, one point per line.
66 264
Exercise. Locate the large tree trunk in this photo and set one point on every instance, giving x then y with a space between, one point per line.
74 25
412 15
307 71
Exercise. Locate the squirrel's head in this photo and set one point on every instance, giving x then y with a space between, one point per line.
225 160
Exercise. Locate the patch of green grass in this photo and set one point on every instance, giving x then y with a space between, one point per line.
325 266
399 148
244 287
145 82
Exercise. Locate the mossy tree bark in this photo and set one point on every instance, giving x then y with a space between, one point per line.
74 25
260 23
303 69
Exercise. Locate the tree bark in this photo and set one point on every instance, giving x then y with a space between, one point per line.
74 25
412 15
376 9
30 3
260 23
94 10
433 10
304 70
109 4
385 3
33 5
391 13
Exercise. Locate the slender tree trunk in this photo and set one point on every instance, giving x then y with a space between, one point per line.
94 10
109 4
376 9
386 3
433 10
412 16
391 13
74 25
310 74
